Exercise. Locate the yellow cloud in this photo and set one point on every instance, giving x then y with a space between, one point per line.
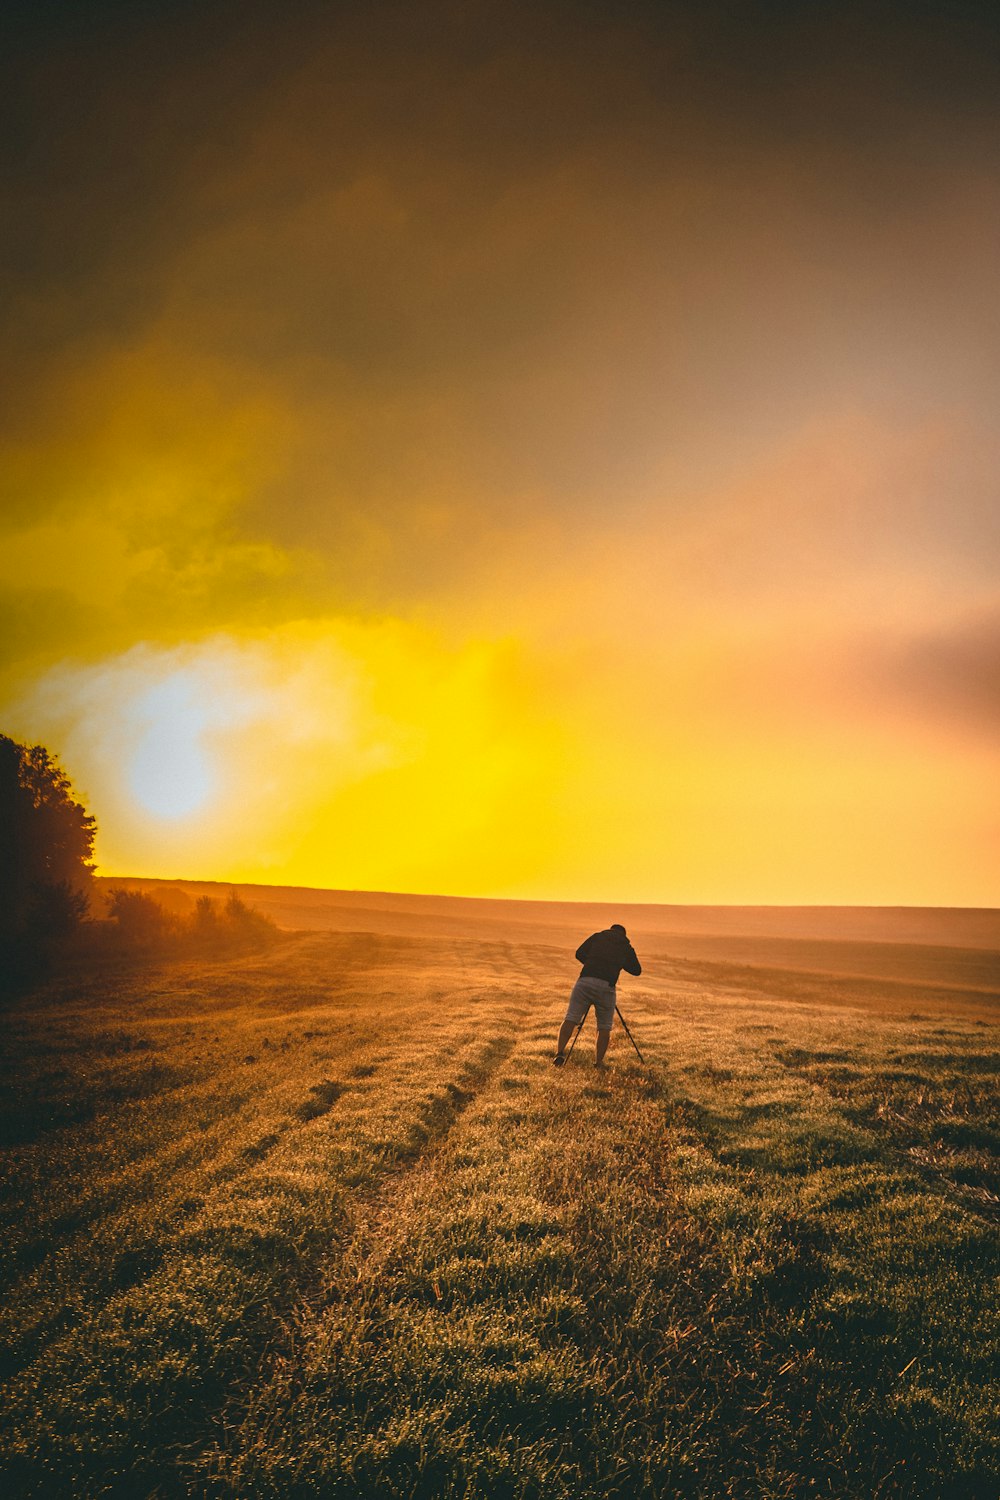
126 502
328 752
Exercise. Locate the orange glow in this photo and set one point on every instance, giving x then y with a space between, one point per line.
518 468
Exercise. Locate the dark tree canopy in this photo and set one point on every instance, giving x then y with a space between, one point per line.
46 841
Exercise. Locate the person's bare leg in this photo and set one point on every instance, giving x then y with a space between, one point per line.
603 1038
564 1035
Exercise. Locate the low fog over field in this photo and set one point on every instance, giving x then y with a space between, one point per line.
324 1221
944 948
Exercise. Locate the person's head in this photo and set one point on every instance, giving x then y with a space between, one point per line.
617 928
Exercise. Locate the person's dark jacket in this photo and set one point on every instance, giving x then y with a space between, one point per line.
605 954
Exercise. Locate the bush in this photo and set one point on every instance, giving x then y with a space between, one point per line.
143 925
206 928
248 927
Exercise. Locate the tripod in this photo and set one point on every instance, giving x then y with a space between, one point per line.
627 1033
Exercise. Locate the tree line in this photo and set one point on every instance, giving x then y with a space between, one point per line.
47 891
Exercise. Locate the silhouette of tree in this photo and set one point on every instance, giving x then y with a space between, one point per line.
46 847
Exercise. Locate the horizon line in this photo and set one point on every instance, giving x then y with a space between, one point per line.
556 900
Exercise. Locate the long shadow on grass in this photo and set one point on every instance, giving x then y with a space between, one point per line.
603 1307
127 1402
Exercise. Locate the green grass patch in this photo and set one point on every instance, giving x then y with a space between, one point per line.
303 1236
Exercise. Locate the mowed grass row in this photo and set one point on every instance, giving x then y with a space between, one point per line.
155 1283
175 1105
700 1278
411 1259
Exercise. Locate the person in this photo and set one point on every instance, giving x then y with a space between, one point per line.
603 955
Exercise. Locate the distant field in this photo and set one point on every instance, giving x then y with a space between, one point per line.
325 1222
947 949
377 911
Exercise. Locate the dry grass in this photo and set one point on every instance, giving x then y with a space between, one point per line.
325 1222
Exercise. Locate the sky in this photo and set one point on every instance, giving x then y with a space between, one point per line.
541 450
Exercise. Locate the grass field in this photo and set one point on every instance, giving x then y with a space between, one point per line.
324 1221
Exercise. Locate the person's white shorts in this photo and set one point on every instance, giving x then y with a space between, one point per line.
598 993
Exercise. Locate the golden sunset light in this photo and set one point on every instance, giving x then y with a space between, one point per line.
534 451
500 750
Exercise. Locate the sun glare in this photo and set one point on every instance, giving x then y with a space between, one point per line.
170 774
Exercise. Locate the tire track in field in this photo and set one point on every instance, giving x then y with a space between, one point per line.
441 1112
107 1250
372 1213
178 1168
104 1277
403 1265
221 1241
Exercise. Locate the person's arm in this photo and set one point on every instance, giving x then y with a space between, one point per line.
584 949
632 964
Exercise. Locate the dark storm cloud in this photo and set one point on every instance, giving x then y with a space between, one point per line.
106 108
132 128
502 259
